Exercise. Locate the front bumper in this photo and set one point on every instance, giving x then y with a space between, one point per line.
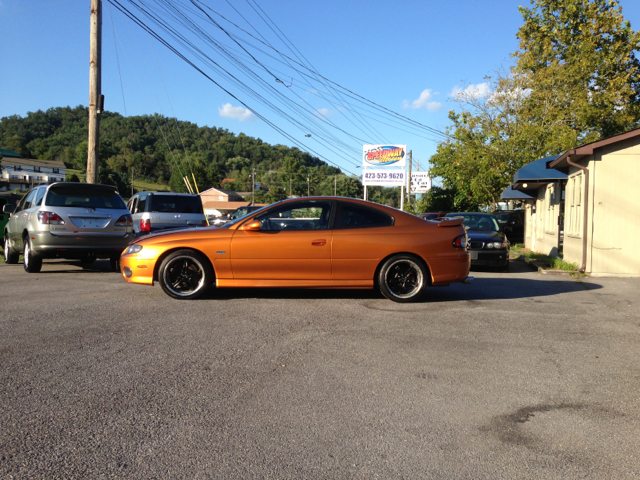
136 268
487 258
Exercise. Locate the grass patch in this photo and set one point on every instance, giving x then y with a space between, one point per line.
545 261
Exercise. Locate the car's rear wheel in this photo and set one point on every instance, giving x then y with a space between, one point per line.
403 278
185 274
32 262
10 255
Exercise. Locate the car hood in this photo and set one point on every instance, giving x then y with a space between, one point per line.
481 236
182 235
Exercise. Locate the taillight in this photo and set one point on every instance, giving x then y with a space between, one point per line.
204 223
145 225
50 218
460 242
125 221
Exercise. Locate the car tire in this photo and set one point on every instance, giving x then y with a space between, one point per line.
32 262
115 264
403 279
10 255
185 274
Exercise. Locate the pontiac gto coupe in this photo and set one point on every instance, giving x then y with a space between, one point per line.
310 242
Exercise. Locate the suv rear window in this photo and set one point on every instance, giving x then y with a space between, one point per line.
174 204
84 197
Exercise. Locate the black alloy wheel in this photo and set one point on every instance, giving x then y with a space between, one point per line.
10 255
185 274
402 279
32 262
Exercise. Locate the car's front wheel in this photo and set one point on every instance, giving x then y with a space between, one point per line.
32 262
403 278
10 255
185 274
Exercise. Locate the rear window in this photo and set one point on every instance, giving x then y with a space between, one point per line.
84 197
174 204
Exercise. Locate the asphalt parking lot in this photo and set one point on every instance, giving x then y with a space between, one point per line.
519 375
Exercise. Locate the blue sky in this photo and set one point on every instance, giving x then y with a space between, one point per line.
406 56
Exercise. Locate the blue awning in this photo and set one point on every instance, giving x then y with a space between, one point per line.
537 172
511 194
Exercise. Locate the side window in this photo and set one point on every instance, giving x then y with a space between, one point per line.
40 196
141 207
132 204
303 215
356 216
29 201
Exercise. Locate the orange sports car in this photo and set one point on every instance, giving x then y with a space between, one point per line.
310 242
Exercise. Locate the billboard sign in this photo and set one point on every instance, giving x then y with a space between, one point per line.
420 182
384 156
384 178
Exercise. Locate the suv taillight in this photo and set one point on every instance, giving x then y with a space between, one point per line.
204 223
50 218
125 221
145 225
460 242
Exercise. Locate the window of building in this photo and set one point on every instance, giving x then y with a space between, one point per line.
56 170
574 204
550 220
17 168
36 169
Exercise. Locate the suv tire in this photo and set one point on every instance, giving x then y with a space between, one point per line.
32 263
10 255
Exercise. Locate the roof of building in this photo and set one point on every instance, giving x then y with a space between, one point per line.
10 153
510 194
536 174
219 190
32 162
587 149
224 205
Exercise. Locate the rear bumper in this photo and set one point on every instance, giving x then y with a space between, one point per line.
47 245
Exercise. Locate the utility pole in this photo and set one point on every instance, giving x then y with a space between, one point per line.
409 189
253 187
132 181
290 191
308 185
95 73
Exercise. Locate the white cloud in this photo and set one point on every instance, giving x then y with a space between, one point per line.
480 90
424 101
325 112
239 113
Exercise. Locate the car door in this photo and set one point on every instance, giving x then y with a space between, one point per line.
293 243
19 219
361 238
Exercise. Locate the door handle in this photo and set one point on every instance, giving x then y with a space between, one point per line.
319 243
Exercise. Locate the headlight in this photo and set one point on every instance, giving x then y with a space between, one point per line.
132 249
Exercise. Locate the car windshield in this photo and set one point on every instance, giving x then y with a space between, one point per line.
84 197
239 219
479 221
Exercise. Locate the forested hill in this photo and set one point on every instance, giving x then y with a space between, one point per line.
152 145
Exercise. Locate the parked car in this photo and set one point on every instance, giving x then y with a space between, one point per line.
67 220
487 245
156 211
512 223
237 213
431 215
7 198
311 242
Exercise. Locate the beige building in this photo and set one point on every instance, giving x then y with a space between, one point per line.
216 201
602 201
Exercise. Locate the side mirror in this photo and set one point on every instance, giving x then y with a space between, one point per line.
253 226
8 208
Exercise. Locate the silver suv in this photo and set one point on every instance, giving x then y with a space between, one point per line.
67 220
155 211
